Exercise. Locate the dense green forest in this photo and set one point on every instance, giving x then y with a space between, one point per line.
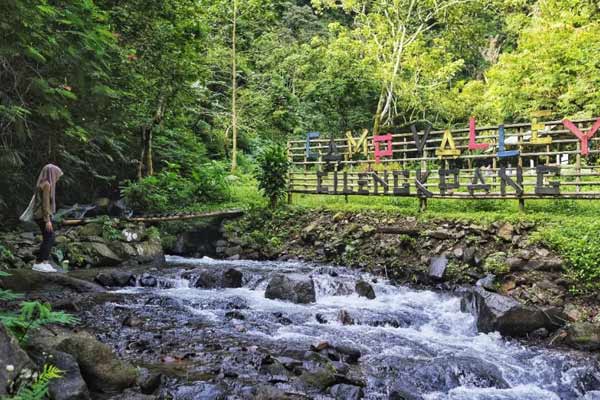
154 97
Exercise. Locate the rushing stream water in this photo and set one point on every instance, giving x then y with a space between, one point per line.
417 341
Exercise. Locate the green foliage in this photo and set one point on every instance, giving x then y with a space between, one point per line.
577 242
496 264
33 315
39 388
272 172
171 190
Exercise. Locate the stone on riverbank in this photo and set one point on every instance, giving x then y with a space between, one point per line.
495 312
584 336
26 280
13 360
296 288
71 386
99 366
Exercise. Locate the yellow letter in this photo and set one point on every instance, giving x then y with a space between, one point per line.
535 127
447 139
354 146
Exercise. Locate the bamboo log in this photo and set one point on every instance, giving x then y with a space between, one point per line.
236 212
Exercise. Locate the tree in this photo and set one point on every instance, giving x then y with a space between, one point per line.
389 30
553 68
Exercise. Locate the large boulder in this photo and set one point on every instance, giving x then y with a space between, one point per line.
101 255
218 279
13 360
26 280
584 336
495 312
99 366
296 288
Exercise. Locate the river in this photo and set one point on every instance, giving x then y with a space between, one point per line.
413 344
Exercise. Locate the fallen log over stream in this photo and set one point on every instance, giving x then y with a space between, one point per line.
232 213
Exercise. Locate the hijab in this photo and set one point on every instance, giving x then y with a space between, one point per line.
50 173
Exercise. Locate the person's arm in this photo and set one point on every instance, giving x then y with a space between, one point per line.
46 208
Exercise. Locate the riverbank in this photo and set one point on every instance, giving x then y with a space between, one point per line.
509 278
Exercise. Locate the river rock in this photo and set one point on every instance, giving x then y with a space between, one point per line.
495 312
148 381
345 318
99 366
404 392
506 231
101 254
13 360
148 281
437 267
364 289
584 336
487 282
346 392
319 374
218 279
26 280
71 386
444 373
296 288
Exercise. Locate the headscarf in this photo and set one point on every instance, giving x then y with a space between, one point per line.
50 173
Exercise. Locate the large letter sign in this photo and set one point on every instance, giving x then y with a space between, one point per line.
355 145
472 144
521 160
447 140
388 152
584 137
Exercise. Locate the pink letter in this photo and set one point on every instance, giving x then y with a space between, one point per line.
472 144
388 150
584 137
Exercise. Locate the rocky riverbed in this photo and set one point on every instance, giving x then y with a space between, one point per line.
208 329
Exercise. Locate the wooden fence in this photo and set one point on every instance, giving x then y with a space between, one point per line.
521 161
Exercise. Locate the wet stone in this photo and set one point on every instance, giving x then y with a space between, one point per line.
364 289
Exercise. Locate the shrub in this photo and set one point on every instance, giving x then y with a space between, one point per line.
171 190
577 242
272 172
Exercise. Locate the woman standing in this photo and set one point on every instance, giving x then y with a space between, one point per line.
41 208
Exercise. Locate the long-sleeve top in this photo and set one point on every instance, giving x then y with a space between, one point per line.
42 209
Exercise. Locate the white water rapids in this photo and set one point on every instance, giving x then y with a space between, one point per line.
412 338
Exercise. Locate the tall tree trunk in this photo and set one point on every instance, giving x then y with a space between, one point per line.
377 119
234 90
146 165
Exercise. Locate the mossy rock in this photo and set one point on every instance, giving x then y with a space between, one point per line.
497 264
100 368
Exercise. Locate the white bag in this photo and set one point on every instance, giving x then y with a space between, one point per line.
27 215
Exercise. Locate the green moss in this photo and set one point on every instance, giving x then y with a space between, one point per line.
496 264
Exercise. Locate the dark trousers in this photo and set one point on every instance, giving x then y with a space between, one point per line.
47 242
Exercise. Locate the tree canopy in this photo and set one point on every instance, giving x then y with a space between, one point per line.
115 91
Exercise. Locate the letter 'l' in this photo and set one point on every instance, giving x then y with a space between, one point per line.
472 144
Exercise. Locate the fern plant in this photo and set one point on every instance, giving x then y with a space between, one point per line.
39 388
33 315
